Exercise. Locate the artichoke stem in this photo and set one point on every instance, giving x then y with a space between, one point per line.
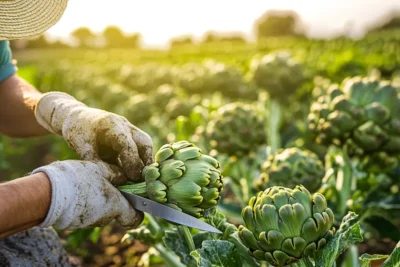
188 236
344 182
169 258
242 250
273 123
139 189
351 259
153 224
304 262
245 189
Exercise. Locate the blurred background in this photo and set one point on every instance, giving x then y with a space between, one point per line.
168 65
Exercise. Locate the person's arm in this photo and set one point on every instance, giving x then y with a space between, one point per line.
24 203
67 195
18 100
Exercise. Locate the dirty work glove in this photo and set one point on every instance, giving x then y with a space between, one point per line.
96 134
83 196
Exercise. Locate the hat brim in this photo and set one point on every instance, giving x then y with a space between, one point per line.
20 19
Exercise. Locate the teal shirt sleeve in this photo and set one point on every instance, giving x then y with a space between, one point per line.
6 67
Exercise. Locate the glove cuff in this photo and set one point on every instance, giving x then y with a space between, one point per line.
52 110
62 193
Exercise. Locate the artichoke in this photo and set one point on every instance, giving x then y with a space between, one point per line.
363 115
235 129
283 225
181 107
182 178
277 73
212 76
138 109
290 167
163 95
225 79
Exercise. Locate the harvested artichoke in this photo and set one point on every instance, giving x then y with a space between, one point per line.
182 178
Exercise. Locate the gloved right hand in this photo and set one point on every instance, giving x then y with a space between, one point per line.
96 134
83 196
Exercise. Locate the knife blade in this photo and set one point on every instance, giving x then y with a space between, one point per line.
165 212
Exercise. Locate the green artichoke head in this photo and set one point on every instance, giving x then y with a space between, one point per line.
163 95
236 129
283 225
138 109
183 178
290 167
278 73
362 111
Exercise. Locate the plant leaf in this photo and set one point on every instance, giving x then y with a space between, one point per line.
367 258
382 221
216 253
175 241
394 258
141 234
200 237
348 234
219 221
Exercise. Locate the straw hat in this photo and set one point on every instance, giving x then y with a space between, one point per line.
21 19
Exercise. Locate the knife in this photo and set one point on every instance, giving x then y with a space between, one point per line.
167 213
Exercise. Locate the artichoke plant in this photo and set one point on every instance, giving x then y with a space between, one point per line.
181 107
235 129
290 167
283 225
363 114
278 73
181 177
138 109
163 95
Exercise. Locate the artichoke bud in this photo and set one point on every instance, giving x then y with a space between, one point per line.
289 167
283 225
358 114
236 129
183 178
334 91
377 113
369 136
362 111
342 104
380 162
392 145
342 120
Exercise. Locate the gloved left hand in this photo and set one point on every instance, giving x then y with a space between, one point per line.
96 134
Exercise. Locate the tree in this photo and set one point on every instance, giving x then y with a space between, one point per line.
114 36
211 37
387 22
231 37
181 41
84 36
38 42
133 41
278 23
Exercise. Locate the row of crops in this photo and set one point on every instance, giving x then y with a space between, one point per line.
287 112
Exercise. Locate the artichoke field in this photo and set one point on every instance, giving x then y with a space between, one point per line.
275 144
